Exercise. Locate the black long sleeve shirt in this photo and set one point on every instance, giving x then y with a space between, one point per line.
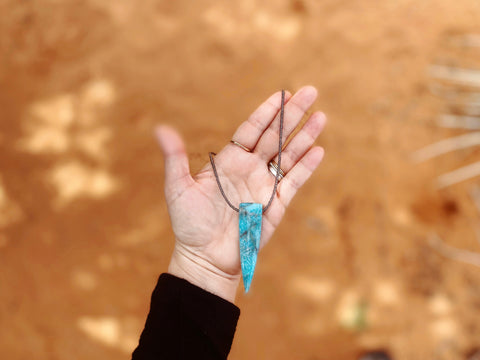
186 322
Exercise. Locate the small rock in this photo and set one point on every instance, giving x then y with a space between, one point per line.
375 355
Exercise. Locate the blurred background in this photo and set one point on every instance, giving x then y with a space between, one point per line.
379 251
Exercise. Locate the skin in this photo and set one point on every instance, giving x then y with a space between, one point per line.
206 249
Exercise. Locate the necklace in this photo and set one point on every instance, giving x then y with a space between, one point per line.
250 215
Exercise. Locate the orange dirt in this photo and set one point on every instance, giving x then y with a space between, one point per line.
84 231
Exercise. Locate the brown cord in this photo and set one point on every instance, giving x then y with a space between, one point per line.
265 208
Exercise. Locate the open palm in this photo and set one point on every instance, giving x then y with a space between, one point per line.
205 227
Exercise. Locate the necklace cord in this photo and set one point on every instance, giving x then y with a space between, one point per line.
277 177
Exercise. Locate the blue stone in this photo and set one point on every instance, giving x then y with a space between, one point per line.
250 226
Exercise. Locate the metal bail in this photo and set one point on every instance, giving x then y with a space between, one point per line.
250 227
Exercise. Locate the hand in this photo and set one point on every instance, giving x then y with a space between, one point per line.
206 229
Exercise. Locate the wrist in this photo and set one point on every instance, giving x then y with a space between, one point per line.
203 274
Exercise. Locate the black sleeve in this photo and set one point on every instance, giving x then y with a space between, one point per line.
186 322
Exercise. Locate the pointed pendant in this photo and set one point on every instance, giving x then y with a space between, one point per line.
250 227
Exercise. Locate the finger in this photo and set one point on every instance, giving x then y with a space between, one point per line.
267 146
300 173
302 141
250 131
177 170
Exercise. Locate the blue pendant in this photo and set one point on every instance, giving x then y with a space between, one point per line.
250 226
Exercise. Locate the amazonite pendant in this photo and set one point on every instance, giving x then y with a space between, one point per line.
250 227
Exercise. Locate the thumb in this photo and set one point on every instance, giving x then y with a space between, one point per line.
177 169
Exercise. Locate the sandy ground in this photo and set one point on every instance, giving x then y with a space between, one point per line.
84 231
